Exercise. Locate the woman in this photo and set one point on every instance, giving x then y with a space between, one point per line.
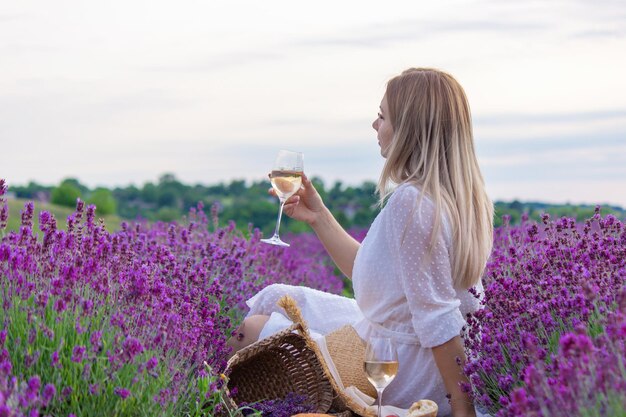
425 249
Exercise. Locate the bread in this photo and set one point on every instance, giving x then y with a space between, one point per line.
311 415
423 408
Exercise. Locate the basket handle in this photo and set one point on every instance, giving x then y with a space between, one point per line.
293 312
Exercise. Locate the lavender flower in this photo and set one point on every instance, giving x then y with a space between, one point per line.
78 354
49 391
4 208
162 298
132 347
543 330
123 393
280 407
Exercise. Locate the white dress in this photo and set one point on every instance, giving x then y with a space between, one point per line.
400 291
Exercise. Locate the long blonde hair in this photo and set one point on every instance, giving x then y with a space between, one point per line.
433 148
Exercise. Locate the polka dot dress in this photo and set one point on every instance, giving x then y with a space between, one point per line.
403 289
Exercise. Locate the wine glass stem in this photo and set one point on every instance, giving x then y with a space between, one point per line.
380 401
280 215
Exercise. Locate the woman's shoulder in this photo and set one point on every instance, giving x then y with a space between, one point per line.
410 194
418 205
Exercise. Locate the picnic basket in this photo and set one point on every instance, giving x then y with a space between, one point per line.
290 361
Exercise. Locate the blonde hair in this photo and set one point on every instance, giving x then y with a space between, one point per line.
433 148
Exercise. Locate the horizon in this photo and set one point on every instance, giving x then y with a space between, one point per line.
327 184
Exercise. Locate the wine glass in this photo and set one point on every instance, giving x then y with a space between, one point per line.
286 179
381 364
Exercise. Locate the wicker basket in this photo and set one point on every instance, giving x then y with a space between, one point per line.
290 361
277 365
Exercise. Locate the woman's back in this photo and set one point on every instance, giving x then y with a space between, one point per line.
405 291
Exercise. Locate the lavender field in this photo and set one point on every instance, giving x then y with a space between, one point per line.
135 322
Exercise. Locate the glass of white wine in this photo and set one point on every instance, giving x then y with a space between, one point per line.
381 364
286 179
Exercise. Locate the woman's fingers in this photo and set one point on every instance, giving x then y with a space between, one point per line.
294 199
291 204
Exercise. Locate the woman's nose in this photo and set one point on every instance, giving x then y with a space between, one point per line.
375 125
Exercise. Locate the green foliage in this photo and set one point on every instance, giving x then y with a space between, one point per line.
112 222
250 204
534 210
75 183
104 201
31 191
65 195
167 214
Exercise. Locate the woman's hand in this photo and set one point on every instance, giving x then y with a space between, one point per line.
306 205
446 356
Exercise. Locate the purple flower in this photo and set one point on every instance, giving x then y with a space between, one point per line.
34 383
118 320
49 391
543 286
95 340
5 367
132 347
4 215
42 299
282 407
575 344
66 392
54 359
152 363
170 286
121 392
60 305
87 306
78 354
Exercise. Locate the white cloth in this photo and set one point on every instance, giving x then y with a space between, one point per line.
402 290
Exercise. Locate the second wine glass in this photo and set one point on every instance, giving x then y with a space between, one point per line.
381 364
286 179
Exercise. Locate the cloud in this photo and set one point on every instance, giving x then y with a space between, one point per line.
549 143
559 191
384 34
11 17
138 101
599 34
569 117
221 62
59 116
328 123
520 130
23 48
599 158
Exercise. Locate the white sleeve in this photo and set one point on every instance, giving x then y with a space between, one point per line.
425 275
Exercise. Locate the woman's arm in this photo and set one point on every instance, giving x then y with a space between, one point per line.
446 359
341 247
307 206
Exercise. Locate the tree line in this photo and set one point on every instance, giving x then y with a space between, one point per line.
247 204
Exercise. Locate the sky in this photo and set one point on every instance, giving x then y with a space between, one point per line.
120 92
